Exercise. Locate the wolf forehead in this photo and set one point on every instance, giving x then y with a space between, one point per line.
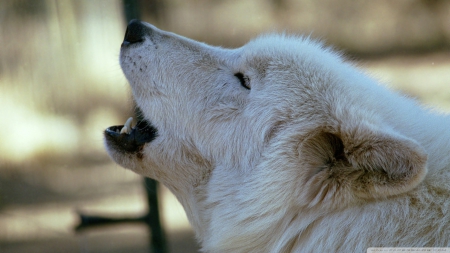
271 50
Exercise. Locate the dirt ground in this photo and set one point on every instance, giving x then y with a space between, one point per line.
39 211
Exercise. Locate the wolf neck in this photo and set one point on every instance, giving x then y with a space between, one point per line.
192 199
437 144
412 123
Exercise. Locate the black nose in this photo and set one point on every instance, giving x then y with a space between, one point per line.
136 31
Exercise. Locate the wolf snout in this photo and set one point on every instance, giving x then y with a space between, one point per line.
136 32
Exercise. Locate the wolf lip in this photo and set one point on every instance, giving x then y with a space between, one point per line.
133 141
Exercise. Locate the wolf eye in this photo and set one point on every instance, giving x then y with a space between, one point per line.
245 82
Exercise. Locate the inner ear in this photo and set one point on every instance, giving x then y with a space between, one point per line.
324 166
322 152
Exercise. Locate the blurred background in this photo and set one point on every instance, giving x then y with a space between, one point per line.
61 86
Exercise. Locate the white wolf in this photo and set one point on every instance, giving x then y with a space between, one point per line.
281 146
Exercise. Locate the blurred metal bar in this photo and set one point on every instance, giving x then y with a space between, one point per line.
157 236
131 9
88 221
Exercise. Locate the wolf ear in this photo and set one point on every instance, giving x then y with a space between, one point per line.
358 164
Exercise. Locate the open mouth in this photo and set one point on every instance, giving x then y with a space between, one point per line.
130 139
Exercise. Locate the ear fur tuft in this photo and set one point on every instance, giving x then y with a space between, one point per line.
339 168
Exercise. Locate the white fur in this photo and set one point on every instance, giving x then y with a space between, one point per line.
316 157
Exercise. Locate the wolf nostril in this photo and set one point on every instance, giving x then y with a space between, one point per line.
136 32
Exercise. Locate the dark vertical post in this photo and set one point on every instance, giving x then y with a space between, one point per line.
132 10
157 238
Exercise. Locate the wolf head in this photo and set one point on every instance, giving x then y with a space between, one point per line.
282 120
